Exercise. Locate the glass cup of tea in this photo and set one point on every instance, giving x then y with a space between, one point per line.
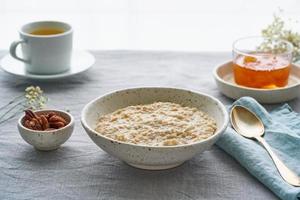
260 62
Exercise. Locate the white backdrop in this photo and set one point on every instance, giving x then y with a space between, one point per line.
179 25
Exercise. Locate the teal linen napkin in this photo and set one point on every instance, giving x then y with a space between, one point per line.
282 132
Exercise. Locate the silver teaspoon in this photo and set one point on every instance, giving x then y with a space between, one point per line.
247 124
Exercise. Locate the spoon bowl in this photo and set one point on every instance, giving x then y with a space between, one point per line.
246 123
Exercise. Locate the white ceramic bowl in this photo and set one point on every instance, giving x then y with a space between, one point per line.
47 140
147 157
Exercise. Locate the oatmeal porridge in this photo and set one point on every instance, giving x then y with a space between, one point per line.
157 124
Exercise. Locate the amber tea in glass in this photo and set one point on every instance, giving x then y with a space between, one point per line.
261 62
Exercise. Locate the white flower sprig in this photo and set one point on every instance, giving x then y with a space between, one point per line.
33 98
278 30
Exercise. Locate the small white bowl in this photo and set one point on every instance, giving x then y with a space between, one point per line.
149 157
223 75
47 140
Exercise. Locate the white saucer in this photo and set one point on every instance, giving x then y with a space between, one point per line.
81 61
223 75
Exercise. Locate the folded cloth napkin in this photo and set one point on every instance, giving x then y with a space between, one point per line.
282 132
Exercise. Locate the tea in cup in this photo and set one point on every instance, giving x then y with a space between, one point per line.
46 47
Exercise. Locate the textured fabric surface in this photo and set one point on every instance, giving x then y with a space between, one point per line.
80 170
282 133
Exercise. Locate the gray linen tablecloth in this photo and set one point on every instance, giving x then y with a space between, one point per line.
80 170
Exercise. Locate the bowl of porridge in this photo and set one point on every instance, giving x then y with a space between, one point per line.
154 128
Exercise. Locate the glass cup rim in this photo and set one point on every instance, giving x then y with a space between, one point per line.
235 49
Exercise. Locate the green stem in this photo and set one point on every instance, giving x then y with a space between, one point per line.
12 116
12 102
9 110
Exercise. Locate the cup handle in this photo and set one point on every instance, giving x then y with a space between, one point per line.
13 48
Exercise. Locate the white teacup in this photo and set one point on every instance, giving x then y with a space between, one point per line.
46 47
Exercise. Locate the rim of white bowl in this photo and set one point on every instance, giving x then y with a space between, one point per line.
216 134
217 77
47 110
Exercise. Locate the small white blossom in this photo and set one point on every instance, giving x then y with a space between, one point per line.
35 98
277 30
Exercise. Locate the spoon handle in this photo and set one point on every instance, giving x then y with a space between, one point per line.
288 175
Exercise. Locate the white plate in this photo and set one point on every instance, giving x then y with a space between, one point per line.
223 75
81 61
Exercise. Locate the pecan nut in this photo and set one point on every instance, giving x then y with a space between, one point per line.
43 122
57 118
56 125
